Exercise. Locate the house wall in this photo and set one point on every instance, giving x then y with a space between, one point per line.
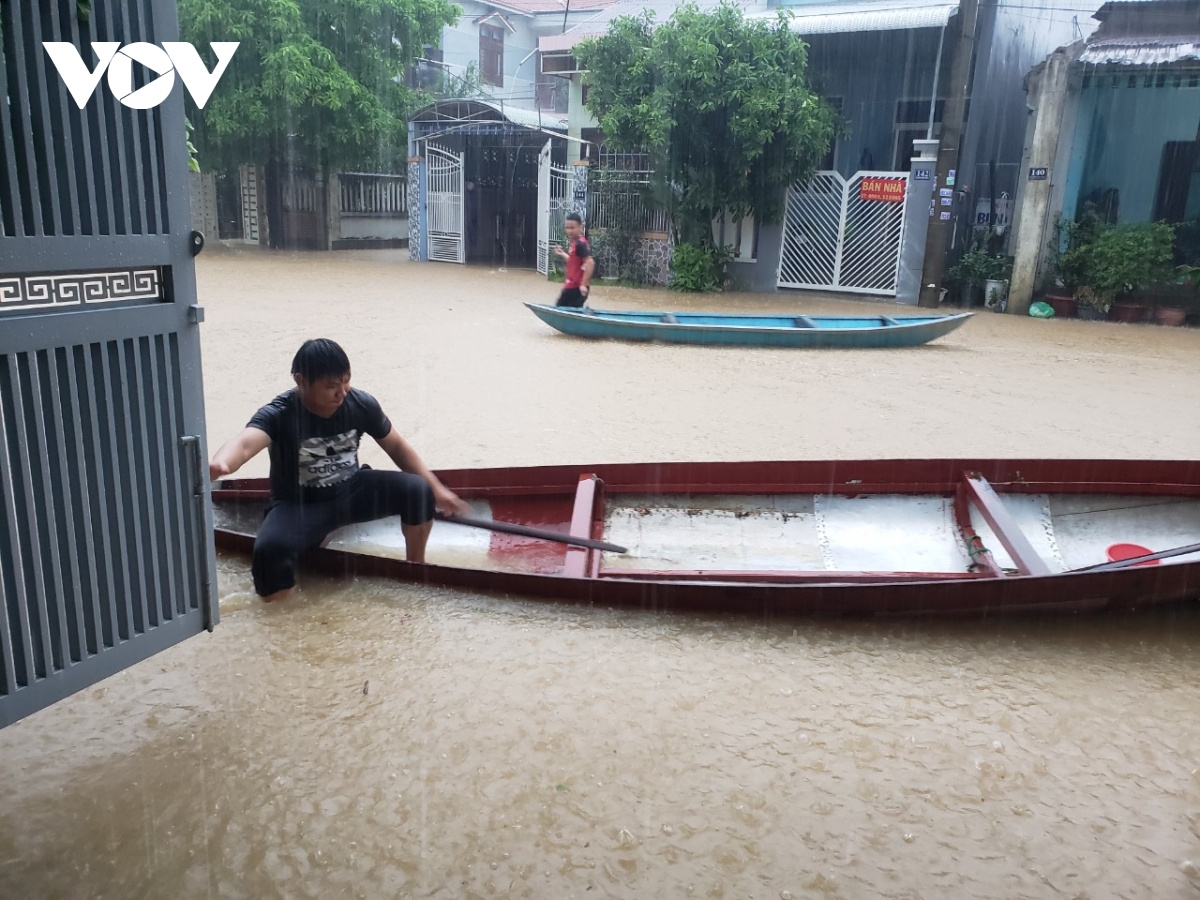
460 48
870 72
1119 137
1012 37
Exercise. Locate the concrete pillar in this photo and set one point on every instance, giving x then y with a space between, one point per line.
1048 90
579 188
416 209
917 210
333 210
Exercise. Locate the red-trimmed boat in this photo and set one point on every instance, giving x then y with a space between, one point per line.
798 538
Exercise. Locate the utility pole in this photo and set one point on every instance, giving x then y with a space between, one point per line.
937 236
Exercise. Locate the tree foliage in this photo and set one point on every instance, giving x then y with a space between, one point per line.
721 103
314 81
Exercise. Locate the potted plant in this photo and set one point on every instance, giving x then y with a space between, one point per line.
1103 264
980 269
1174 311
1068 267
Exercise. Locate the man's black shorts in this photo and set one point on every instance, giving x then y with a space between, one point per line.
571 297
291 528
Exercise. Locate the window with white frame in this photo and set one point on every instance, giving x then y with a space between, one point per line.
741 234
491 54
829 161
912 123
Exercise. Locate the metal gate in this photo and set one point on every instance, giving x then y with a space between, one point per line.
106 553
839 237
554 202
444 193
248 176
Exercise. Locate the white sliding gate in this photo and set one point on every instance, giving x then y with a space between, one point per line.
838 237
554 200
444 201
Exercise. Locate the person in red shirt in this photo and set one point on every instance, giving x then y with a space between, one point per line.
580 264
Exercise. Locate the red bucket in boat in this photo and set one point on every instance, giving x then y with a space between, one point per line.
1129 551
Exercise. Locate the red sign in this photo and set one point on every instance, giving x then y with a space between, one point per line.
889 190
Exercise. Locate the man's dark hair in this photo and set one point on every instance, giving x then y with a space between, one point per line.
320 358
575 217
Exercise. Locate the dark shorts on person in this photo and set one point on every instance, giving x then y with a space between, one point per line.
571 297
290 528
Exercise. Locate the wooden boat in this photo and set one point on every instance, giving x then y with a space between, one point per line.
801 538
852 332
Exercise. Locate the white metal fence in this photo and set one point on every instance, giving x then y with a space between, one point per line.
838 235
371 194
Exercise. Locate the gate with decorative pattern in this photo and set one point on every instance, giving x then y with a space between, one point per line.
844 234
106 552
444 201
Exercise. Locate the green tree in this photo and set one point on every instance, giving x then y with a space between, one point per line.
315 82
722 104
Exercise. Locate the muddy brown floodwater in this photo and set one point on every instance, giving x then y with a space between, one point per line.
371 739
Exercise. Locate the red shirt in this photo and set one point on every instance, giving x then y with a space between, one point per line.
575 256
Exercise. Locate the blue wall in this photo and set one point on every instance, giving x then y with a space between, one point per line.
1120 133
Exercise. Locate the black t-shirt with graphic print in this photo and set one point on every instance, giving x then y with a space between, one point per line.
315 459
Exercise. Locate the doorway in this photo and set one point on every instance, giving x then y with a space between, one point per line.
501 200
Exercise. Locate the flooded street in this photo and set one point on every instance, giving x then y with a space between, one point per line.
372 739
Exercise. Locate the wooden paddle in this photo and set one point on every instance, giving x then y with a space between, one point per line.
526 531
1134 560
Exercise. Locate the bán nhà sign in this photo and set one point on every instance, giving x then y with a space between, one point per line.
888 190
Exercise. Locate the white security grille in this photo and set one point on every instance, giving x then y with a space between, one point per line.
248 176
835 240
554 200
444 201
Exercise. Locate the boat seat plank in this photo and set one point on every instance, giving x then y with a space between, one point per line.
980 555
1001 520
804 322
888 320
581 562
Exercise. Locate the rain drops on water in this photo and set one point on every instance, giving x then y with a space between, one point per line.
909 837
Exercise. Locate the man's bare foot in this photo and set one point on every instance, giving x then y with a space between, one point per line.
279 595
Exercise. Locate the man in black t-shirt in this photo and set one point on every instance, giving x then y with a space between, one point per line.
312 433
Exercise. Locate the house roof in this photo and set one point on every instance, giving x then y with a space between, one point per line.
1145 33
849 18
598 24
550 6
476 111
1145 51
816 18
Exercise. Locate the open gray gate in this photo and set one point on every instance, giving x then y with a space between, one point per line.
106 553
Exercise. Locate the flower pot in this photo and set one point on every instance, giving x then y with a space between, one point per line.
995 292
1126 312
1090 314
1170 315
1064 307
